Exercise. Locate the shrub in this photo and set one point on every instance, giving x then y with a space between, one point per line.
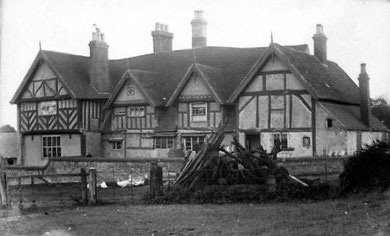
368 170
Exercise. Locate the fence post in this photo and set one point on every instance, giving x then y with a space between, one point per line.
326 172
92 186
3 190
84 189
155 178
271 184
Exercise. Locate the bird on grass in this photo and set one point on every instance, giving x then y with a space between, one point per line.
124 183
103 185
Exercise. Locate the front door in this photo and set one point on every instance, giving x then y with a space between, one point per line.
252 141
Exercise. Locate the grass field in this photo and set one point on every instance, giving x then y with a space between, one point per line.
356 215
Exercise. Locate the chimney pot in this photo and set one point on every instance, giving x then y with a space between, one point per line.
363 68
162 39
198 15
319 29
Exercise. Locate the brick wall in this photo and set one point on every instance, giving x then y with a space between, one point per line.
107 170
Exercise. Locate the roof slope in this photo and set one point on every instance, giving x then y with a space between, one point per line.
349 116
328 80
224 66
74 70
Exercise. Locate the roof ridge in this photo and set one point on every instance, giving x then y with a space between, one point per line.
66 53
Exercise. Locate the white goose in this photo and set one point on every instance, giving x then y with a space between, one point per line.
124 183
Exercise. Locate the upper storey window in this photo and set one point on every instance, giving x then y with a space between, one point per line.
199 111
136 111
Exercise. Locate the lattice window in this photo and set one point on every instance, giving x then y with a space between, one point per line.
199 111
116 145
282 140
136 111
163 142
193 141
51 146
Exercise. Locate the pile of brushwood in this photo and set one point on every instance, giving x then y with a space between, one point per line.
214 165
214 174
368 170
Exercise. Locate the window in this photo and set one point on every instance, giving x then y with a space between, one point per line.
199 111
282 140
163 142
116 145
329 123
51 146
306 142
138 111
193 141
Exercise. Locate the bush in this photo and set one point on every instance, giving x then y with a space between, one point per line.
368 170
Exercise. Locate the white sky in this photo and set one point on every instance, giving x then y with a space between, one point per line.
357 30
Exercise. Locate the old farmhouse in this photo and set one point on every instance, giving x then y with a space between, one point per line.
160 104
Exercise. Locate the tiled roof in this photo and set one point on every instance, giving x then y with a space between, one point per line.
349 117
74 71
328 81
224 66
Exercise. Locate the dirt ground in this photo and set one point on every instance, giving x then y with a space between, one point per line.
357 215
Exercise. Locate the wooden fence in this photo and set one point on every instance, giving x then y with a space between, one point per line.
33 190
31 183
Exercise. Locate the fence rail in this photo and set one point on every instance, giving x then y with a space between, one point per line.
110 170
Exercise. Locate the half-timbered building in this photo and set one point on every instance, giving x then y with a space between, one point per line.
162 104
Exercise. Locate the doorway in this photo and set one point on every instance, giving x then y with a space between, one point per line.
252 141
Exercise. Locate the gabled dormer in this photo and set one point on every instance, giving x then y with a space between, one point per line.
272 97
196 98
130 106
42 82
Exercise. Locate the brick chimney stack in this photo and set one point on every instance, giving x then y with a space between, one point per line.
319 38
364 86
98 63
199 24
162 39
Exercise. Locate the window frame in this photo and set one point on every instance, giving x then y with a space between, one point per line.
163 142
190 140
199 106
139 111
329 123
116 145
283 140
48 149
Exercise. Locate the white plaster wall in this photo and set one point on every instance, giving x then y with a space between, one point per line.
247 116
70 144
32 151
195 86
123 96
369 137
93 144
351 142
295 141
331 141
32 148
274 64
44 72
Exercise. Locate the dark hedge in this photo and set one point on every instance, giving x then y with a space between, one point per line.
368 170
